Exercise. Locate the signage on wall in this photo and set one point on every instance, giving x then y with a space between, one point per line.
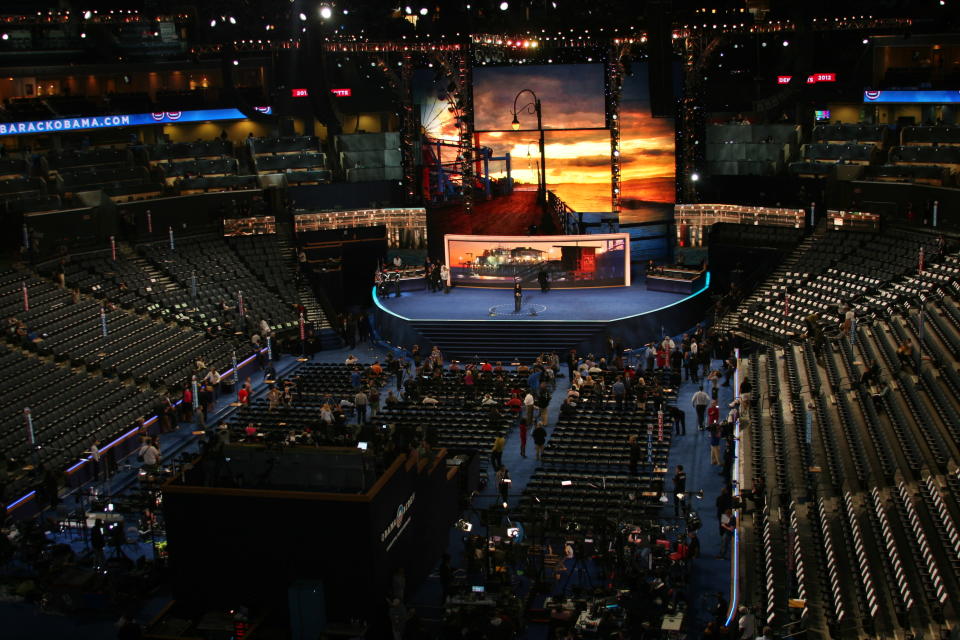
942 96
342 93
784 79
299 93
131 120
821 77
400 521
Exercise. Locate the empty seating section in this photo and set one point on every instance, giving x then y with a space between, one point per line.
264 257
72 158
189 150
837 267
585 473
750 149
732 234
855 133
370 156
69 411
844 152
221 278
868 493
209 168
299 157
930 135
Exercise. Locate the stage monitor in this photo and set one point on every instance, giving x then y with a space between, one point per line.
601 260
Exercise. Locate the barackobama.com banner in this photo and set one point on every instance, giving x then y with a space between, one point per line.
131 120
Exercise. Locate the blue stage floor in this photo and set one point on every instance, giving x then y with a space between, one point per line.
468 303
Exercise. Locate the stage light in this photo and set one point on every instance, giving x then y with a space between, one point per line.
407 10
763 44
213 23
232 20
566 483
516 123
423 11
504 5
236 63
786 43
325 11
694 176
83 34
5 36
866 41
303 17
87 14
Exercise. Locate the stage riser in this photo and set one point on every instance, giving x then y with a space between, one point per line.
504 340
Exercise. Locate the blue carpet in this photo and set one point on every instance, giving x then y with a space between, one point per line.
467 303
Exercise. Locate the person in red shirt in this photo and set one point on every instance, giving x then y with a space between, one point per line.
713 413
243 396
514 404
486 367
186 406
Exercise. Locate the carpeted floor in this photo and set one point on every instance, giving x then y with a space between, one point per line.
468 303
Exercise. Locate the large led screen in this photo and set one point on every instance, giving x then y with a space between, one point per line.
601 260
571 96
647 162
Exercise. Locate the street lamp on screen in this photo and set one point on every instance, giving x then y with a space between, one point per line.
533 108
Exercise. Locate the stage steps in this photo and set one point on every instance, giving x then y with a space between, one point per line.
505 340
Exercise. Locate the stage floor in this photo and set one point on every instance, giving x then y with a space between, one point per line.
469 303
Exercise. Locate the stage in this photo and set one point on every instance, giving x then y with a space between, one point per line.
472 321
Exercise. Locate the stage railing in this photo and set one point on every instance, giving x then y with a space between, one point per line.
563 214
693 220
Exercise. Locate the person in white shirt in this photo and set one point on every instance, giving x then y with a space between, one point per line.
149 453
351 360
95 458
528 405
264 327
747 624
700 402
668 344
445 277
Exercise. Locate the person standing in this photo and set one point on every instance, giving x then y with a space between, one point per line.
517 295
503 483
360 401
700 402
728 525
522 426
746 389
679 420
715 444
679 490
445 278
619 392
496 451
95 459
529 402
539 439
713 413
544 280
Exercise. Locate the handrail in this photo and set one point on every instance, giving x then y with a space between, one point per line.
562 213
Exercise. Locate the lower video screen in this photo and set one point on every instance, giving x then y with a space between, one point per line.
563 261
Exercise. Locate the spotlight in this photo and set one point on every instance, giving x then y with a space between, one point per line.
232 20
694 176
407 10
763 44
504 5
236 63
5 36
83 34
303 17
87 14
423 11
786 43
866 41
213 23
325 11
505 504
464 525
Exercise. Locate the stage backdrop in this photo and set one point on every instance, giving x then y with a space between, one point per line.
601 260
577 141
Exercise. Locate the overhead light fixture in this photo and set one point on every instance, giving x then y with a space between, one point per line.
786 43
407 10
87 14
5 36
504 5
516 127
866 41
83 34
325 11
694 176
303 17
464 525
213 23
232 20
236 63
